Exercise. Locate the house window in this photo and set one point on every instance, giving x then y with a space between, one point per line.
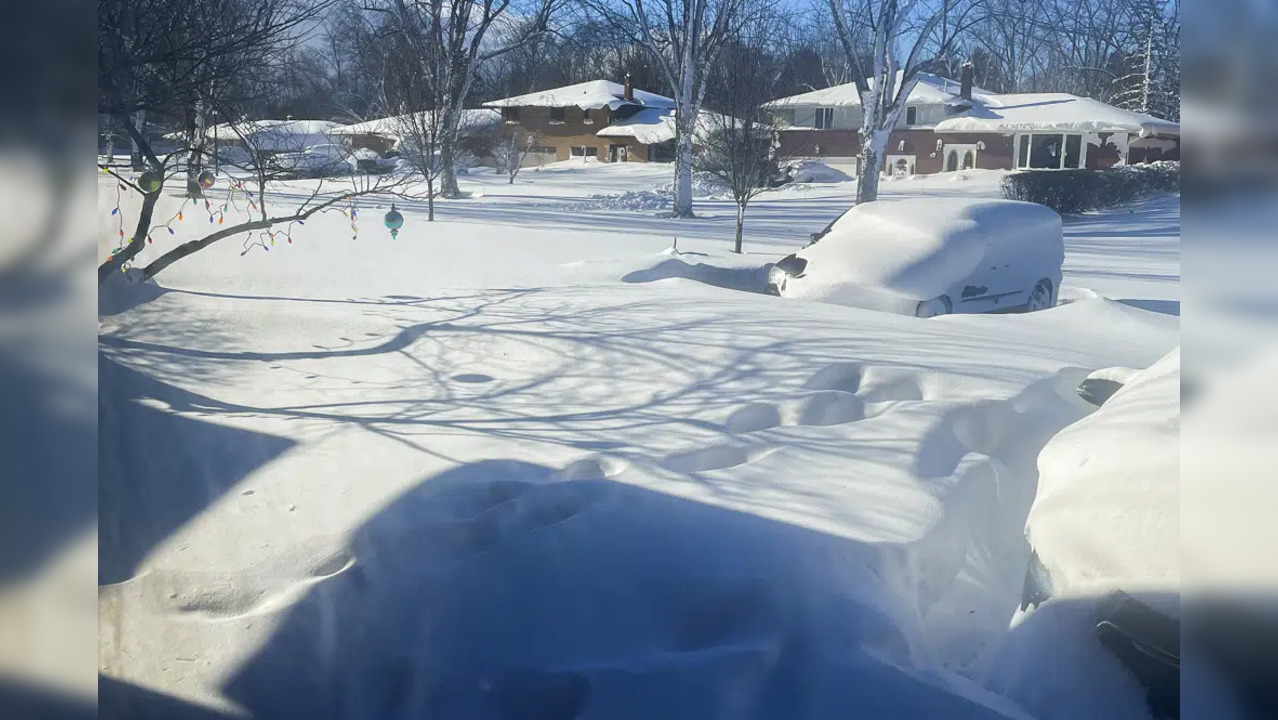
1073 150
1045 152
911 115
556 115
824 118
510 114
580 151
1055 151
662 152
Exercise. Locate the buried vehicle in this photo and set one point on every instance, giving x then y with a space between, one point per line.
930 256
1104 529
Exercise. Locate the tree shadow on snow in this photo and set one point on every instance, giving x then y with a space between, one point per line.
158 469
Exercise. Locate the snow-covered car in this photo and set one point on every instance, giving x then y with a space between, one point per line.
1105 526
1107 512
930 256
369 162
316 161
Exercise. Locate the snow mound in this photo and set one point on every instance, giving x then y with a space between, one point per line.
632 200
752 279
658 198
125 290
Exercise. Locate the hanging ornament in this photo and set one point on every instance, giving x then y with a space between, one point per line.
206 179
394 221
150 181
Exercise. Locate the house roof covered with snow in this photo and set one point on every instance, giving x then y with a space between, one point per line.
398 125
930 89
655 125
1053 112
590 95
270 135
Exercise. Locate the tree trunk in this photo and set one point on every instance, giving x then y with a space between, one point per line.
446 137
867 180
136 243
430 199
135 150
685 128
193 188
110 139
448 170
873 145
740 224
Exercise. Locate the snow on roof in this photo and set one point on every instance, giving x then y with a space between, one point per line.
1061 112
930 89
270 134
587 95
655 125
398 125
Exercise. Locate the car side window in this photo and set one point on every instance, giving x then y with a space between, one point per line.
828 228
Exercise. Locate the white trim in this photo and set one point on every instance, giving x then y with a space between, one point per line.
891 160
961 149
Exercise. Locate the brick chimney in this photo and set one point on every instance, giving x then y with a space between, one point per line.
630 89
965 84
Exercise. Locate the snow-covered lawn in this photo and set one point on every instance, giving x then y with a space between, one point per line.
526 461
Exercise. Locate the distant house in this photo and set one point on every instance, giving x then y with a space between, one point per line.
600 119
272 136
386 134
948 126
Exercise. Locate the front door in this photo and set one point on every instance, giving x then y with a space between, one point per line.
616 153
960 157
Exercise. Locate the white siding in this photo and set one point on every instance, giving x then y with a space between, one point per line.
924 115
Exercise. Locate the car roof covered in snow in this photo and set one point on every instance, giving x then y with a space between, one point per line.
930 89
918 247
589 95
1054 112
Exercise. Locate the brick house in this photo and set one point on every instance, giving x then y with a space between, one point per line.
948 126
599 119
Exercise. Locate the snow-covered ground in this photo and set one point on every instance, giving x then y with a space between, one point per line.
526 461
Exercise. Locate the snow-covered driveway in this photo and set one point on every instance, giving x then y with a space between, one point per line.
474 473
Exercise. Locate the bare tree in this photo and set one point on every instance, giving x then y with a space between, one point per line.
449 40
740 147
514 145
166 57
417 93
161 58
683 37
926 31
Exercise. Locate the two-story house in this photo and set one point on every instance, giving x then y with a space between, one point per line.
948 126
601 119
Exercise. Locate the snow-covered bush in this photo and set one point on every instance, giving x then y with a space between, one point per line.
1075 191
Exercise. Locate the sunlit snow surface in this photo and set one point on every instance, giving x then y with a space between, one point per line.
529 461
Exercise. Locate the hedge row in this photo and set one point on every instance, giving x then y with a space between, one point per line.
1075 191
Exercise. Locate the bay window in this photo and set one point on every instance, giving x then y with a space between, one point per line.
1050 151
